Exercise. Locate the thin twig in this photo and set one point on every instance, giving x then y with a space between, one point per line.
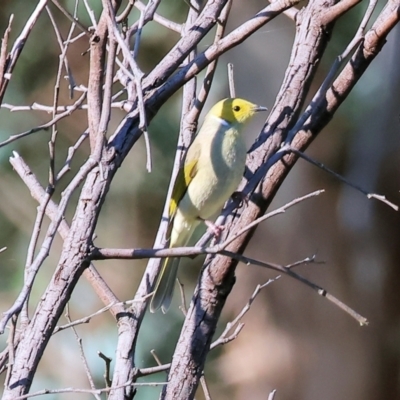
231 80
41 210
108 85
173 26
155 356
88 391
321 291
152 370
149 13
183 305
191 251
193 116
47 125
19 45
138 74
75 38
107 361
88 318
138 35
72 18
70 155
204 386
128 254
369 195
82 355
91 14
63 44
135 56
3 50
272 395
225 337
36 231
257 221
125 13
11 350
305 261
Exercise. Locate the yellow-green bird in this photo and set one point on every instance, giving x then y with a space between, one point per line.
212 170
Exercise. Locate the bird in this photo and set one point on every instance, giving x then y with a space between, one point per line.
209 175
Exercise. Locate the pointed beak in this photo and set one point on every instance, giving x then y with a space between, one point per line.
259 108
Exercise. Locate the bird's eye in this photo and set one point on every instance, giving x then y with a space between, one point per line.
236 108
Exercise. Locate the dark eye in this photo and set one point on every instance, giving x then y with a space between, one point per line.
236 108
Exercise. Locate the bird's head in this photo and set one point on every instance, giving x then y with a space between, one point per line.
235 111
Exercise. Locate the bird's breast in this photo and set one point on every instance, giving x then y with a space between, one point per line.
219 173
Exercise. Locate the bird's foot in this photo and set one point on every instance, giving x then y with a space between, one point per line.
214 228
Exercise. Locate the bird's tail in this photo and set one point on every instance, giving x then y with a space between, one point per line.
164 289
165 285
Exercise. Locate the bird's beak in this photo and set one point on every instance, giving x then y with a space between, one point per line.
259 108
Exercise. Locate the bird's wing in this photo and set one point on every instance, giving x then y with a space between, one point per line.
185 175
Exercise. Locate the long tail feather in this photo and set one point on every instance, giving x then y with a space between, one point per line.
165 285
164 289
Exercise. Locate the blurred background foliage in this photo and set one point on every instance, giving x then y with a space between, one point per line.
293 340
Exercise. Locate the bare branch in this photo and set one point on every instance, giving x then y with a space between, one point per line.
165 68
337 10
223 339
285 270
191 251
18 46
51 232
93 277
47 125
